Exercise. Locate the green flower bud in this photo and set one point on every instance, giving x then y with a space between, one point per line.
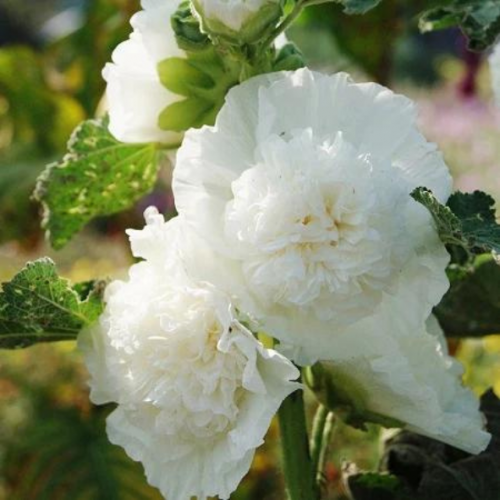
237 21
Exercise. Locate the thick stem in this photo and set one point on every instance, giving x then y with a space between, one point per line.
297 464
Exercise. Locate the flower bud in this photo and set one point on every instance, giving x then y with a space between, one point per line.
240 21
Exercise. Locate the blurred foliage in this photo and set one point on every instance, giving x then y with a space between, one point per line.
52 440
479 20
385 38
46 89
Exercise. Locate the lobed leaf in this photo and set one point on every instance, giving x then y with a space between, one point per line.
98 176
467 221
39 306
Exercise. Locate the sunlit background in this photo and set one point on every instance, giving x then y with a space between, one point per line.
52 440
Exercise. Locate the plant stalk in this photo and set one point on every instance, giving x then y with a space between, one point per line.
328 430
317 434
298 467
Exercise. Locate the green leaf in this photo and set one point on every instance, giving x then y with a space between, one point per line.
447 224
204 78
478 19
181 76
98 176
471 307
358 6
476 212
289 58
39 306
467 221
435 471
191 112
373 485
187 29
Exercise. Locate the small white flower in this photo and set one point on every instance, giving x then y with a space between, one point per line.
196 392
304 182
494 60
243 20
134 92
409 376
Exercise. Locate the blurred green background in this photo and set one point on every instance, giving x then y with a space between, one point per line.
52 440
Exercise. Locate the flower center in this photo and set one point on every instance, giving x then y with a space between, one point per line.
317 224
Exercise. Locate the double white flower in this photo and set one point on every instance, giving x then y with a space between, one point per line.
196 392
304 186
302 189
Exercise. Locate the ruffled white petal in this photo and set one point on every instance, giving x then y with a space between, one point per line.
134 92
196 392
411 378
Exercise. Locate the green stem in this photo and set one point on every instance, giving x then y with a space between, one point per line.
317 434
328 429
289 20
297 465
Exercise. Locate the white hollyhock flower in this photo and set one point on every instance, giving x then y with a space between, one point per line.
244 20
408 376
134 92
196 392
494 61
304 182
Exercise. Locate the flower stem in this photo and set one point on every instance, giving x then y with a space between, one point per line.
317 434
289 20
297 464
328 429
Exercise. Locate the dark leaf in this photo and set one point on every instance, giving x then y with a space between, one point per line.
467 221
478 19
435 471
372 485
471 307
